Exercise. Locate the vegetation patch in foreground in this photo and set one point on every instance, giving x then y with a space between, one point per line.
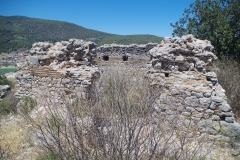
117 121
4 81
228 72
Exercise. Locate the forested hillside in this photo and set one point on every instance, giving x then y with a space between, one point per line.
21 32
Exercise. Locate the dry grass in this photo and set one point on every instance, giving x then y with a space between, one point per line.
117 121
8 104
228 73
15 138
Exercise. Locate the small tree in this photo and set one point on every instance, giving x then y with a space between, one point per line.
215 20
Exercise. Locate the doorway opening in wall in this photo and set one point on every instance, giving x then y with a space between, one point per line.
124 58
105 58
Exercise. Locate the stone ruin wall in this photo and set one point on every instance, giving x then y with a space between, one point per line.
66 68
57 72
114 53
132 50
179 67
182 68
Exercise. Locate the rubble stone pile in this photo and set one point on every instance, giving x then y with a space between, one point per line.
128 50
183 54
44 53
181 67
56 71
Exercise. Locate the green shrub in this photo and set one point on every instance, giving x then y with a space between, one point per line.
214 20
50 156
4 81
27 104
8 104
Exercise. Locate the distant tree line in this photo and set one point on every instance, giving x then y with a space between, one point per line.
21 32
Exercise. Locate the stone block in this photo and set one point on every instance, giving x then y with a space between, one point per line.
191 101
205 102
224 107
229 119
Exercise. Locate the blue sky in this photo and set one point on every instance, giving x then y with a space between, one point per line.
123 17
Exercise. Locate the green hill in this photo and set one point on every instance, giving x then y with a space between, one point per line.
21 32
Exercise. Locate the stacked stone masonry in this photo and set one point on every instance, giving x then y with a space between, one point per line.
128 50
57 71
180 67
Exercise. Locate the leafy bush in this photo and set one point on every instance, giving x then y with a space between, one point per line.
8 104
215 20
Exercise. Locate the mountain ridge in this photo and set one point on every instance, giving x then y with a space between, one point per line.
21 32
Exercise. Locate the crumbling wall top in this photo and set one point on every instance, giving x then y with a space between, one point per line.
184 53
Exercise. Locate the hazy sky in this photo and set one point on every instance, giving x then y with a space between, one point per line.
113 16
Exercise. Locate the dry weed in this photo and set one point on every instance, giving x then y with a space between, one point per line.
228 72
15 138
117 121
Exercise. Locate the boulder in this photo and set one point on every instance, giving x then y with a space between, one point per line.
10 75
205 102
217 99
224 107
4 89
33 60
191 101
230 129
209 126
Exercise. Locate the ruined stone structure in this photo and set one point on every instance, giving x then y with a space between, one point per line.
67 68
129 50
123 53
180 67
57 71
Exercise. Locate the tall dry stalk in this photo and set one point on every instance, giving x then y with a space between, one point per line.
228 73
